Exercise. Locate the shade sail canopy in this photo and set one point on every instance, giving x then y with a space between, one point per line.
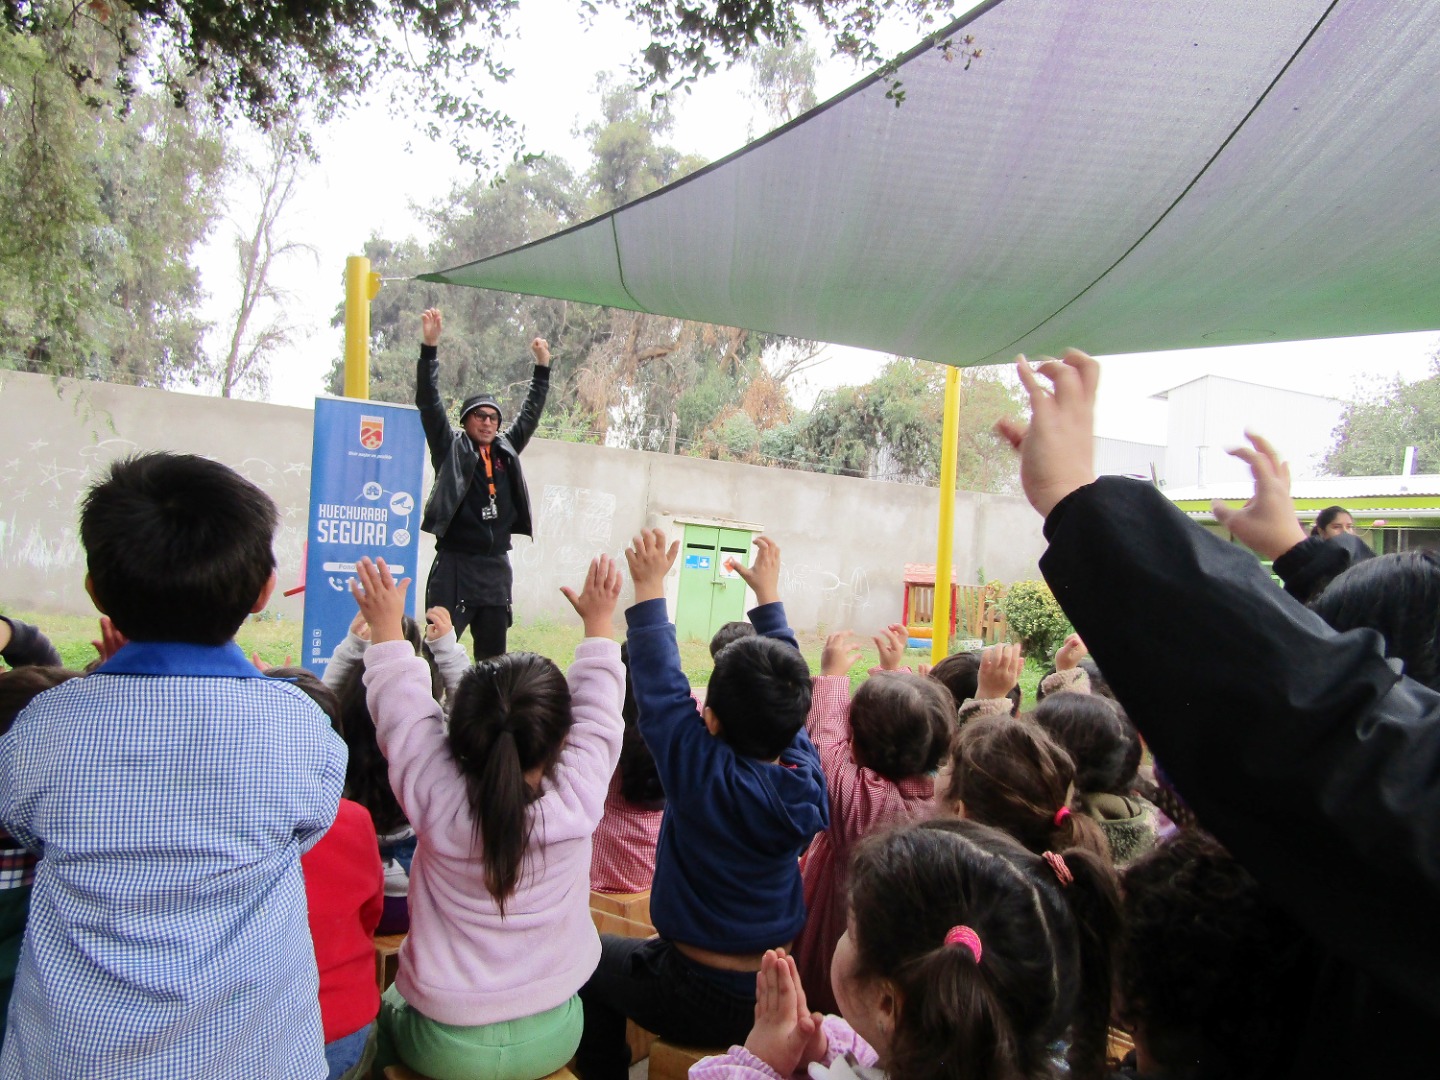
1123 175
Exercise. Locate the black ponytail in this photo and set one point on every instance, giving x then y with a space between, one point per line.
639 777
951 1025
1042 969
1093 898
511 715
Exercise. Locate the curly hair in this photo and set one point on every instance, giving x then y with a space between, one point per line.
1210 972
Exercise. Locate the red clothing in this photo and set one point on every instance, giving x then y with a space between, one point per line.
345 890
622 856
861 801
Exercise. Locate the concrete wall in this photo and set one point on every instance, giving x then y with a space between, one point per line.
844 540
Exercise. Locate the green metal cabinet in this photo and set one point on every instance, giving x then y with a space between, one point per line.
710 596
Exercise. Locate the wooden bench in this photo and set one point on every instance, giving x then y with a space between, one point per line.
387 959
401 1072
1117 1044
634 906
609 923
671 1062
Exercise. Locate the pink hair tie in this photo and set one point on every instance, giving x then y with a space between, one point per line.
1057 863
1061 815
963 935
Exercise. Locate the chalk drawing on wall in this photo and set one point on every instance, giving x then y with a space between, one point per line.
825 587
577 514
572 526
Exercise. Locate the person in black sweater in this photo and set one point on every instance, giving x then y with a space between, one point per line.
23 645
1301 749
479 499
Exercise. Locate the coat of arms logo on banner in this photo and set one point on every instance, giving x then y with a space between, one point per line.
372 432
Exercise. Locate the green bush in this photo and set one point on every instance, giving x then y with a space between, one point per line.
1035 618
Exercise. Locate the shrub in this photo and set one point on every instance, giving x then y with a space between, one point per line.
1035 618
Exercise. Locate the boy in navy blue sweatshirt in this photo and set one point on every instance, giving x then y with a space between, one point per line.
744 795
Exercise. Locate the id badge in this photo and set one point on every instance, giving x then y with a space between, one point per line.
489 513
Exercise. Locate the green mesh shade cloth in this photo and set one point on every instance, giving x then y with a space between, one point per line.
1123 175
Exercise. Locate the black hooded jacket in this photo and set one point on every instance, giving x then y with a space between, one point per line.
454 456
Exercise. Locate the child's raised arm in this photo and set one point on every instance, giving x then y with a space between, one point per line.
597 692
649 561
381 599
763 577
1300 748
595 603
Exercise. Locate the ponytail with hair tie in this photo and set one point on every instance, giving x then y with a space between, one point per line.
1060 816
963 935
525 697
1057 863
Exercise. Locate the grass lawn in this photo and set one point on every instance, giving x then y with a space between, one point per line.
276 640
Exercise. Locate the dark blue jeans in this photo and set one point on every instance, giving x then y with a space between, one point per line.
651 982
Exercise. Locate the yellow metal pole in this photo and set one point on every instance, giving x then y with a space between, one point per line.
945 542
360 288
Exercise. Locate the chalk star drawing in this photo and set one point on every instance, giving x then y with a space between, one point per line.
13 463
38 444
296 468
53 473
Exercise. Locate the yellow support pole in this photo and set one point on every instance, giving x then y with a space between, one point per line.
945 542
361 285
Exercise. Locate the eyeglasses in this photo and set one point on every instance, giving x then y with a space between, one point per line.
488 417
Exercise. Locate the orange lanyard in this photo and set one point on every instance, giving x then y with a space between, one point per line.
489 473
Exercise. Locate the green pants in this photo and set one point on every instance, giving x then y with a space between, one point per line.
524 1049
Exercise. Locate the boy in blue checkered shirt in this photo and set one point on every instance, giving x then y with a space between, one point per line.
170 794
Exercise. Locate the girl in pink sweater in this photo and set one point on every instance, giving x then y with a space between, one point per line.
503 804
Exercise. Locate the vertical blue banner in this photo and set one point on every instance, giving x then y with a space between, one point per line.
366 469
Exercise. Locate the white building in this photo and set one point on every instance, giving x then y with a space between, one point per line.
1209 415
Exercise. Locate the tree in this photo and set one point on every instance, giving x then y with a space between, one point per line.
890 428
257 251
782 80
100 207
1375 429
270 62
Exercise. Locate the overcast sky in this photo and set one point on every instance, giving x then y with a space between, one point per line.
366 182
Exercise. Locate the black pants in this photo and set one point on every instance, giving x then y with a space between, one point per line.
651 982
475 589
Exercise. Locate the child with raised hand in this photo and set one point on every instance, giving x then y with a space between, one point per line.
171 793
367 777
504 803
1301 749
966 958
983 683
879 752
745 794
437 643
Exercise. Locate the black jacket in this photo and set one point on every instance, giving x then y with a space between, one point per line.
1300 748
29 647
454 456
1309 567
